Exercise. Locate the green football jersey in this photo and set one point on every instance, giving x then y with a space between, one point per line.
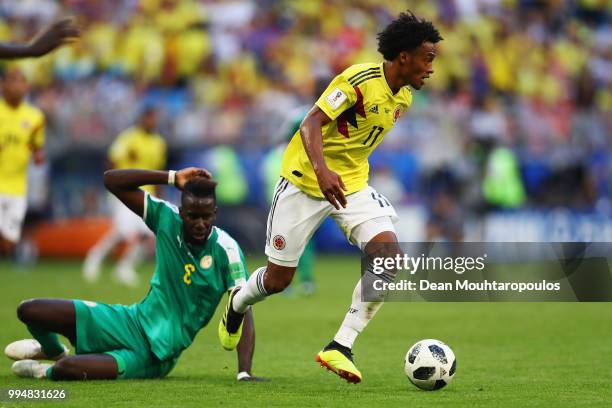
188 282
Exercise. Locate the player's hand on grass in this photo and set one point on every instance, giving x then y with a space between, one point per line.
332 187
184 175
246 377
58 33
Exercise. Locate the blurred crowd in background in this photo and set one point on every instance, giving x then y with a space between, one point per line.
518 113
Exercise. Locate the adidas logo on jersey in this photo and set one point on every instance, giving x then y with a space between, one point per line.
374 109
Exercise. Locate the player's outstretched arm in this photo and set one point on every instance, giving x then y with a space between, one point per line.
125 184
246 349
46 40
330 183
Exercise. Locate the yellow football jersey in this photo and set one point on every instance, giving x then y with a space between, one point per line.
363 109
22 130
135 148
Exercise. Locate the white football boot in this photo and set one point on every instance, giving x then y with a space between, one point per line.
30 349
30 369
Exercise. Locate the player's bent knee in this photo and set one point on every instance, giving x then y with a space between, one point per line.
383 244
277 285
278 278
25 310
391 251
385 237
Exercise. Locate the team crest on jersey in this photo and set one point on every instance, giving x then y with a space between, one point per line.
25 124
206 262
279 242
397 113
374 109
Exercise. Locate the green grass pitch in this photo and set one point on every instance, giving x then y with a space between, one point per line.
508 354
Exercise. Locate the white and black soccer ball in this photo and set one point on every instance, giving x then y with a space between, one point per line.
430 364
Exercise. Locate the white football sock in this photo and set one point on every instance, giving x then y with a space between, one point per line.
356 319
252 292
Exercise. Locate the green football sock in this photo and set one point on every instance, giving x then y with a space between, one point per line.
49 341
49 373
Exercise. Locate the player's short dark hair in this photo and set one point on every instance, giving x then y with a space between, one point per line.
406 33
200 187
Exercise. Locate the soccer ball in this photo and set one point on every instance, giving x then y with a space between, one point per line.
430 364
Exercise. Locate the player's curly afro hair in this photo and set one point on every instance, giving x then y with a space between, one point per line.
200 187
406 33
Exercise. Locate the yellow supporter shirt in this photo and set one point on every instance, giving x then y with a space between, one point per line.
135 148
22 131
363 109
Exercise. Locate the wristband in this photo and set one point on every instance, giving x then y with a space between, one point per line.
171 177
242 375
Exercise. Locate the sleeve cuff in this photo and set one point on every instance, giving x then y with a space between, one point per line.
144 211
325 110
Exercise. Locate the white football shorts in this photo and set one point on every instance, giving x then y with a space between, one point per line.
295 216
12 213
